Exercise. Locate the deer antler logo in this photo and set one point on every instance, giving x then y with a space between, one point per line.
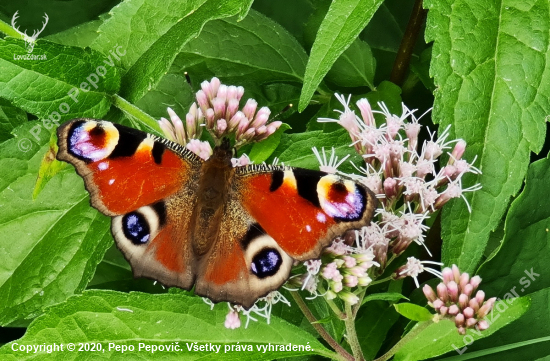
30 40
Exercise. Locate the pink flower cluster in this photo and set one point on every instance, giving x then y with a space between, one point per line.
344 270
217 110
457 299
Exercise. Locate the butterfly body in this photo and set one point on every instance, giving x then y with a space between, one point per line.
231 232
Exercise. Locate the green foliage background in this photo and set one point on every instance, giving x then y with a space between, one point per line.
482 65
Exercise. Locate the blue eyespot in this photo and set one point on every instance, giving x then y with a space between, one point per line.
136 228
266 262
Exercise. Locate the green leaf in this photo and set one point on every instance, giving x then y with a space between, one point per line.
489 63
114 272
334 326
526 246
342 24
355 67
255 49
296 149
10 117
374 321
54 242
50 88
413 312
262 150
386 296
82 35
526 339
49 167
149 53
288 13
137 318
439 338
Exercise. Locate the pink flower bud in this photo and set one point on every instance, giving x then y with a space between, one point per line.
467 290
447 275
459 320
348 297
366 112
221 126
437 304
232 320
390 187
463 280
350 281
167 129
475 281
461 330
261 117
486 307
232 94
209 115
453 310
458 151
222 92
364 281
468 312
357 271
442 292
232 108
452 288
235 121
219 107
250 108
471 322
349 261
240 92
336 286
456 273
482 325
429 293
474 304
202 100
480 296
463 301
443 310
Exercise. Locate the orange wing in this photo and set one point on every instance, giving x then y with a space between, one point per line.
124 168
304 210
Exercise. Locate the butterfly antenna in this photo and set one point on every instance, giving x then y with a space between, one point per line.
287 108
189 81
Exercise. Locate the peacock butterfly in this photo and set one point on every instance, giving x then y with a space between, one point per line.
232 232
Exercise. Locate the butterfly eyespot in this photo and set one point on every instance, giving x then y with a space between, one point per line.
266 262
341 199
136 228
92 141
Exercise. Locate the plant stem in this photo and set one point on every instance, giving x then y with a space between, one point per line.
421 326
8 30
333 305
135 112
351 334
320 329
389 278
404 54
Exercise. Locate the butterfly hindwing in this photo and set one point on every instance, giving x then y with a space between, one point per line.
244 262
